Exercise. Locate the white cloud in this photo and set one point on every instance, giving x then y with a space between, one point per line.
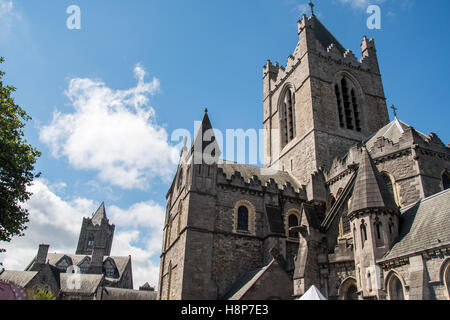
6 10
361 4
57 222
113 132
8 16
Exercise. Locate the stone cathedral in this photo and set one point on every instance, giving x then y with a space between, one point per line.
348 201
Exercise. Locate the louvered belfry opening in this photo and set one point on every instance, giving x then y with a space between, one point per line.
287 117
347 105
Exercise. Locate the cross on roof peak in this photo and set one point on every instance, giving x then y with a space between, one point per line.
394 109
311 5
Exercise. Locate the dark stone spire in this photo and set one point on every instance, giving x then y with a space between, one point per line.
203 139
99 215
370 191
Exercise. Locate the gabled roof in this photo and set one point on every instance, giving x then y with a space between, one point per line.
370 191
423 225
18 278
392 132
54 258
88 283
243 284
99 215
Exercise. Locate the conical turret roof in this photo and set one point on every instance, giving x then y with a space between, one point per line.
370 191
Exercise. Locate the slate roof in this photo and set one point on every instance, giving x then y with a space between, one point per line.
423 225
243 284
88 283
54 258
127 294
324 36
370 190
18 278
247 172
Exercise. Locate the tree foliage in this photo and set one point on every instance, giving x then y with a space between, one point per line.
17 159
43 295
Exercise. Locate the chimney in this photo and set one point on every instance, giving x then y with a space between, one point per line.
42 254
96 266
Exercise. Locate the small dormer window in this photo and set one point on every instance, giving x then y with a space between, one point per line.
84 265
110 270
91 241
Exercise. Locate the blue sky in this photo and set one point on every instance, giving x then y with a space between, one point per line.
194 54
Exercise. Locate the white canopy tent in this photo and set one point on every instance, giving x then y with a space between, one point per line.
312 294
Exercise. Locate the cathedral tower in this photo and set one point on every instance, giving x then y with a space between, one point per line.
321 103
186 259
96 232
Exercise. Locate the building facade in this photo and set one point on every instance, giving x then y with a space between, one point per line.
342 202
91 273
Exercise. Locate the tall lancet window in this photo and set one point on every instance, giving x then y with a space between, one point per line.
348 106
287 117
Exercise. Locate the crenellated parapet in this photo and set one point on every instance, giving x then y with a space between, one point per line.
279 74
244 177
341 167
348 58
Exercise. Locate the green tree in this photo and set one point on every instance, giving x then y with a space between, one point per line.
17 159
43 295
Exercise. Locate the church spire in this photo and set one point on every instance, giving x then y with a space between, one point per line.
205 146
99 215
311 5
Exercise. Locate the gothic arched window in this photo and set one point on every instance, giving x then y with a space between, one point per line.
395 288
180 179
287 117
447 279
349 290
242 221
348 104
446 180
180 211
292 222
378 233
363 233
169 280
390 186
344 225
